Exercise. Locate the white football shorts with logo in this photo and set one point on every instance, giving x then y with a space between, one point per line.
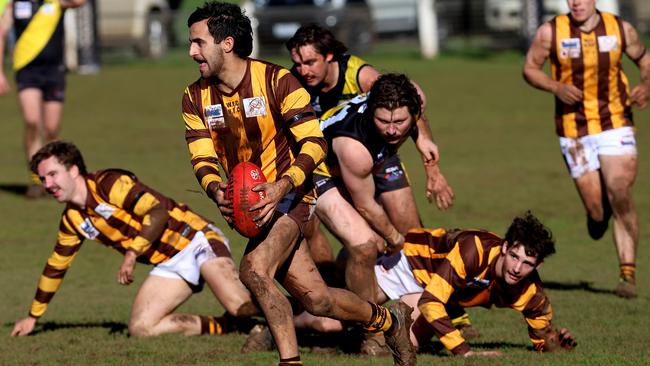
581 154
394 276
186 264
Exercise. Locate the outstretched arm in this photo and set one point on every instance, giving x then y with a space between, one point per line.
67 247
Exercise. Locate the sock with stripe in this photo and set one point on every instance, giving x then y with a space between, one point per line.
291 361
628 272
213 324
381 320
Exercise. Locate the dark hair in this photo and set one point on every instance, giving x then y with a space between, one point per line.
392 91
226 20
321 38
536 238
65 152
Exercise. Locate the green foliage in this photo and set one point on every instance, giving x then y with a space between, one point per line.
499 152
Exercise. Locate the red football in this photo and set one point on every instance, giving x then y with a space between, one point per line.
243 177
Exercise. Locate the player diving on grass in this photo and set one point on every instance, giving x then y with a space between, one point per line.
443 271
114 208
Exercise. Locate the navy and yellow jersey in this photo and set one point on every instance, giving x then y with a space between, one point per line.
38 27
347 86
591 61
266 120
116 208
350 120
458 268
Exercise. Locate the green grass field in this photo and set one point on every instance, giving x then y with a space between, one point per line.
499 152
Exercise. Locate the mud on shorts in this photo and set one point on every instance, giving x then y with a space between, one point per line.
50 79
389 175
186 264
581 154
394 276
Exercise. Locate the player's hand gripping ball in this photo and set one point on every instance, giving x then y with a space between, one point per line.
243 177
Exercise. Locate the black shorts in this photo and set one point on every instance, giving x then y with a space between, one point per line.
49 79
388 175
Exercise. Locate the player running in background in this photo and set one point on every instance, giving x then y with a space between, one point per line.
243 109
444 271
114 208
593 117
39 69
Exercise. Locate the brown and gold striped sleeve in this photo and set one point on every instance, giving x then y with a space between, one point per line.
67 246
303 125
536 308
449 275
203 155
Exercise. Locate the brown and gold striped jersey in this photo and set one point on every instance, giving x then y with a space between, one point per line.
116 207
457 268
266 120
591 61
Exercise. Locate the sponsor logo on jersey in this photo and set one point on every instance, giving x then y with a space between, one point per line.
88 229
607 43
255 106
214 116
478 282
104 210
570 48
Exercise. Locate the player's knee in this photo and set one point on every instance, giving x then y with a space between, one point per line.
139 328
365 252
254 279
319 303
243 308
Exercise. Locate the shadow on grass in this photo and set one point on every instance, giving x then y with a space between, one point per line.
14 188
582 286
113 327
437 349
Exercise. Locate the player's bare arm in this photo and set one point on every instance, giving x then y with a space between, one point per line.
637 52
537 55
356 170
6 22
153 226
367 76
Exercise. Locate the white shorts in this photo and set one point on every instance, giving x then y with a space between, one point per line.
394 276
581 154
186 264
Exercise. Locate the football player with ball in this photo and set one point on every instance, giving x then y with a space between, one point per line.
247 110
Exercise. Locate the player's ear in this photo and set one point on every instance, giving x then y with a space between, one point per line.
504 247
539 265
74 170
228 44
329 57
